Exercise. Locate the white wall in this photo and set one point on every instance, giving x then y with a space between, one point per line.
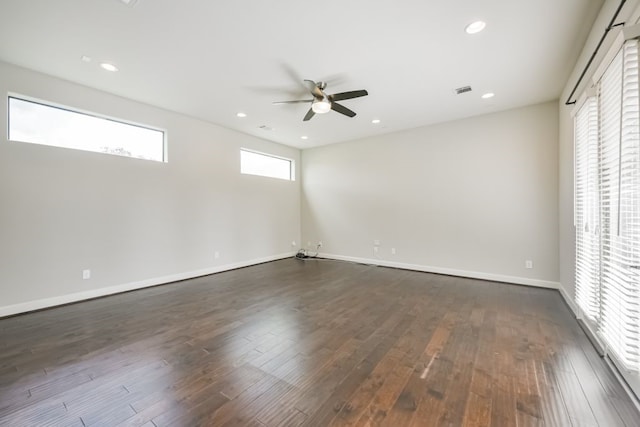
475 197
132 222
629 15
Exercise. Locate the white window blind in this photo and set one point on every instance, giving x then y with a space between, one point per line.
587 210
607 211
619 192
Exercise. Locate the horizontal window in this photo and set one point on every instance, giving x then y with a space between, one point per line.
253 163
39 123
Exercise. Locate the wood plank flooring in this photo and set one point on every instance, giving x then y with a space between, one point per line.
309 343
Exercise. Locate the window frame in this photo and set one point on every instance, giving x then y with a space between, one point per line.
292 170
81 111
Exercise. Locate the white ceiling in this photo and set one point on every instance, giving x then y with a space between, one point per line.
210 59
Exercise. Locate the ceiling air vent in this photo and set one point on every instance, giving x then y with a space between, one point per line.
265 127
463 89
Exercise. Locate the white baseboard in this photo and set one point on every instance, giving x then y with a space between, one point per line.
95 293
39 304
570 302
448 271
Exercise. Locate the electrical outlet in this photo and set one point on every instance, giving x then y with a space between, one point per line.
320 244
216 255
86 274
528 264
308 243
375 249
393 251
293 243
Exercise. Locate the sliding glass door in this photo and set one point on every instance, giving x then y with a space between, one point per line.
607 212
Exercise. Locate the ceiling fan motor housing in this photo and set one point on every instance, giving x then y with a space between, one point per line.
323 103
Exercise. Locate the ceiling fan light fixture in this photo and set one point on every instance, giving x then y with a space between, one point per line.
322 103
321 106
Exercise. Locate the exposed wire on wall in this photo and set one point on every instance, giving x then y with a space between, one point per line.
305 254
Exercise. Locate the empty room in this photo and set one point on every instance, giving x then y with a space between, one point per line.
348 213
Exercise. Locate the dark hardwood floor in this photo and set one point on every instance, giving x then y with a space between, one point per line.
309 343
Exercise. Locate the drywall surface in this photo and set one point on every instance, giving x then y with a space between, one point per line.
475 197
131 222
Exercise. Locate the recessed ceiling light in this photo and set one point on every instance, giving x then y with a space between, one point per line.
129 3
488 95
85 58
304 137
375 121
241 114
109 67
475 27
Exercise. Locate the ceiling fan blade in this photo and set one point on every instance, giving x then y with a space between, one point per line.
314 89
348 95
308 116
299 101
342 109
291 72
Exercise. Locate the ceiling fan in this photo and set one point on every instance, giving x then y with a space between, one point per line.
323 103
